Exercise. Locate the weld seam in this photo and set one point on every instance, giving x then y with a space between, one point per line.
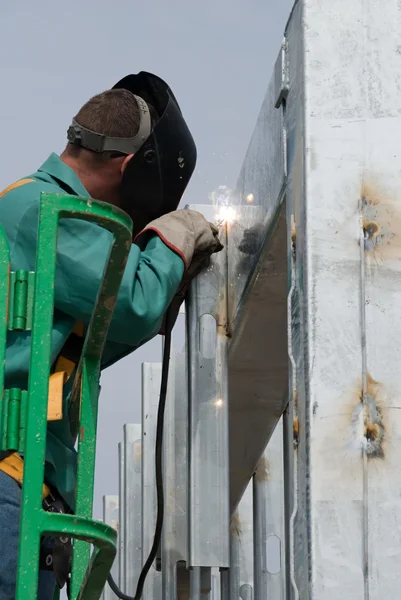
365 408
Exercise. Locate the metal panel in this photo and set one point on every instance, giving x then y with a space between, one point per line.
151 377
208 414
269 543
343 121
111 516
175 535
257 266
133 505
256 200
122 516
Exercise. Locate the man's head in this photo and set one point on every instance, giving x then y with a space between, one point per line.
130 146
114 113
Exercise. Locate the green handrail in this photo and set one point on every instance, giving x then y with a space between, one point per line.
25 430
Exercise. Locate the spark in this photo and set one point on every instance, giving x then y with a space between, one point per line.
226 215
219 403
250 198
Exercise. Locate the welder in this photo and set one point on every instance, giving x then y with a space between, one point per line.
128 146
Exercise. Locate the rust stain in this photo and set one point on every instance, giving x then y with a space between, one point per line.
371 234
381 213
262 470
222 324
367 419
295 426
371 192
235 525
222 329
293 235
373 419
82 433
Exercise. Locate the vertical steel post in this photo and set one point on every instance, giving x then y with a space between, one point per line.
133 506
175 534
240 574
246 537
122 516
235 558
200 583
216 590
151 378
195 584
111 517
225 584
208 419
268 514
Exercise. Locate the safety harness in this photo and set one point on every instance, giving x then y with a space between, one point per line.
56 552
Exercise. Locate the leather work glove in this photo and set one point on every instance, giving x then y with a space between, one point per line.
188 233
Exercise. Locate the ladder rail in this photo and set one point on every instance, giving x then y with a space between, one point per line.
34 521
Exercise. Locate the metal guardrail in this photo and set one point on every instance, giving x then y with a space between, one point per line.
255 537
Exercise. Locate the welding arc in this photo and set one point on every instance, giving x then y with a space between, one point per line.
158 467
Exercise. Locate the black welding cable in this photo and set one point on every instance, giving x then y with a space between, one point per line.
159 472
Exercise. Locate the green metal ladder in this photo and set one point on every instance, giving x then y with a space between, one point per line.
26 303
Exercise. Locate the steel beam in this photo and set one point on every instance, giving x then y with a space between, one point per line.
343 125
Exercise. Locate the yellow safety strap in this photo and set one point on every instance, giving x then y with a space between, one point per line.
55 396
63 370
13 465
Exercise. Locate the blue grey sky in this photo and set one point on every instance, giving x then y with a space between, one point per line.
217 55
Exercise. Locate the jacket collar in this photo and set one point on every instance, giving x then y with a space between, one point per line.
64 175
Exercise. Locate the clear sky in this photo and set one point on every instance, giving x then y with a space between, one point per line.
217 55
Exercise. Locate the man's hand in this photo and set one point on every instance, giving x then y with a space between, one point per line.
188 233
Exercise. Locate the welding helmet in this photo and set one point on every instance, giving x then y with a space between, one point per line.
164 158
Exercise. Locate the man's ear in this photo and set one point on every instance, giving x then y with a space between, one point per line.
125 162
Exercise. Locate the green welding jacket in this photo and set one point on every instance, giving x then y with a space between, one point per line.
151 280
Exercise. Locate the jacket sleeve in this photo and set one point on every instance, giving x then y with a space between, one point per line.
151 278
